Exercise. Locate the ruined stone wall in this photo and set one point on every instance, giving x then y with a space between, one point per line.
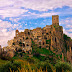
50 37
69 53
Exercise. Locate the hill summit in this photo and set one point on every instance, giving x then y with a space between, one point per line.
50 37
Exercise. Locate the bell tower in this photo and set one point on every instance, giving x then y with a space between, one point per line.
55 20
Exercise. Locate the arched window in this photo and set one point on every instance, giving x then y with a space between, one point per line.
23 38
27 45
39 46
45 37
47 33
43 43
28 33
55 39
71 48
16 49
23 45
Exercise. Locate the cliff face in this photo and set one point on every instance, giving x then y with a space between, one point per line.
49 37
57 41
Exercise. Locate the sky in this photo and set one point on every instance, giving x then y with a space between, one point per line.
29 14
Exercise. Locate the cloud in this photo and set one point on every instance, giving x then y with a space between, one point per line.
8 25
7 31
12 12
48 14
15 8
31 28
66 22
42 5
34 15
14 19
70 30
67 33
5 24
18 9
5 36
26 24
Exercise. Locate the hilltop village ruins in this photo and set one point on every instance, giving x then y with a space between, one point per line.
49 37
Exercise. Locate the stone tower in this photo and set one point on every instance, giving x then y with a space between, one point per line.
17 32
55 20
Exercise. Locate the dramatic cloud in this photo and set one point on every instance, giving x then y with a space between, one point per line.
7 32
5 24
67 33
48 14
42 5
67 23
22 14
12 12
5 36
14 8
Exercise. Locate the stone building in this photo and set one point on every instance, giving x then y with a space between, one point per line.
50 37
69 53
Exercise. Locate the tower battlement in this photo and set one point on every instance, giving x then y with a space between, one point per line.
55 20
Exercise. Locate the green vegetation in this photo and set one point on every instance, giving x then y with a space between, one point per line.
48 41
26 38
54 26
3 62
6 67
42 59
66 39
63 66
45 65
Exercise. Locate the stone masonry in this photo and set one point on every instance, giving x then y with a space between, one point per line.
50 37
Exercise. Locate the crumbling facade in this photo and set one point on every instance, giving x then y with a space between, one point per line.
69 53
50 37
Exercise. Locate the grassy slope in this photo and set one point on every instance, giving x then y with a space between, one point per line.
3 61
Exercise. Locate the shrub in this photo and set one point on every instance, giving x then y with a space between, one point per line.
16 65
36 54
30 60
66 38
62 65
6 67
48 41
45 65
6 58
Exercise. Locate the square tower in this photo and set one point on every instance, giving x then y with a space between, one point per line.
55 20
